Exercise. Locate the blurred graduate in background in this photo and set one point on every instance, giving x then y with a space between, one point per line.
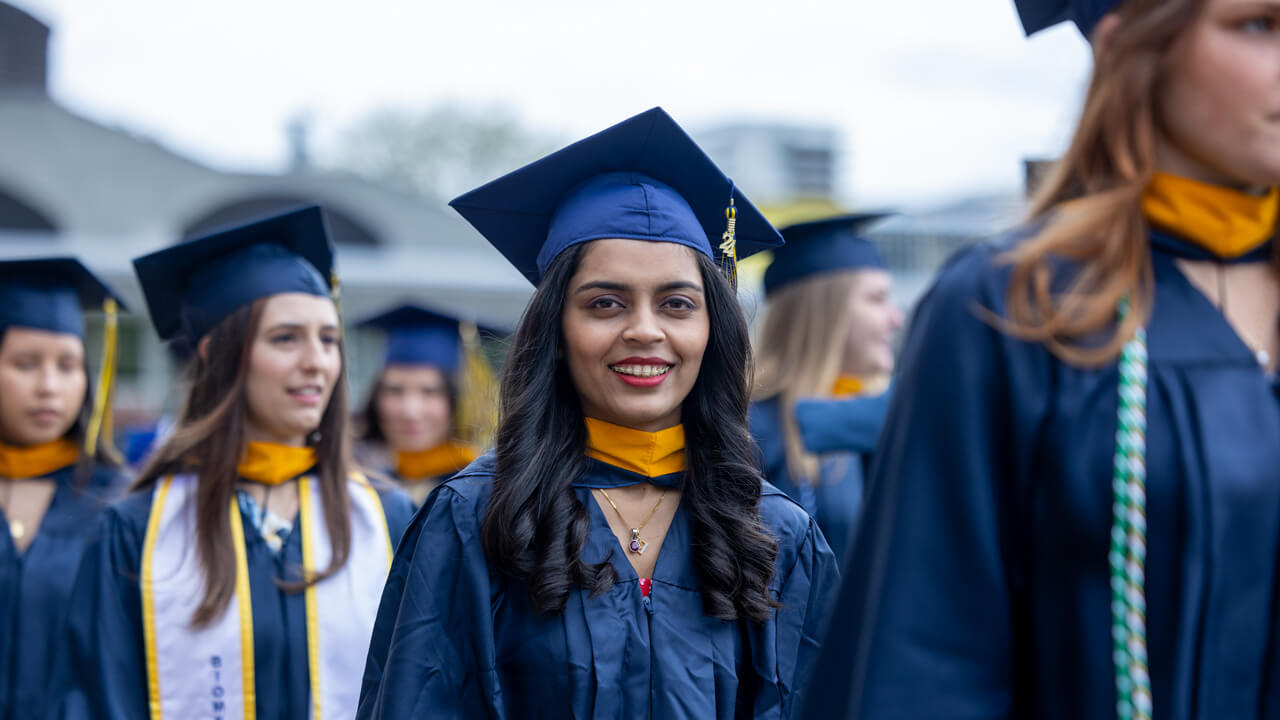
57 467
433 405
824 356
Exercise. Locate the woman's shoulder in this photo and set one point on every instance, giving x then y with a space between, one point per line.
784 517
470 487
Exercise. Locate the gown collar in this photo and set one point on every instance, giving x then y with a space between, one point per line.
847 386
445 459
627 457
1204 221
272 464
34 461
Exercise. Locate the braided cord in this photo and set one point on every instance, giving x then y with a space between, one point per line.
1129 534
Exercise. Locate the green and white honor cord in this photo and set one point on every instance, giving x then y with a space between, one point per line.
1129 534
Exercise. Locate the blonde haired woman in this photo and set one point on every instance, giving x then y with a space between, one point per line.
1075 509
825 354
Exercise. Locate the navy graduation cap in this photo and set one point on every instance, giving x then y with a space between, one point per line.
1037 15
50 294
194 285
642 179
823 246
418 336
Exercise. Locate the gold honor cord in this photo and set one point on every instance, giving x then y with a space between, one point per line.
100 423
477 408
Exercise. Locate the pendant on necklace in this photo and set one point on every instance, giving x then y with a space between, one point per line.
1264 358
17 529
636 545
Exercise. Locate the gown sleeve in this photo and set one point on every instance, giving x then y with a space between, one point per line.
842 424
100 672
924 624
432 651
807 595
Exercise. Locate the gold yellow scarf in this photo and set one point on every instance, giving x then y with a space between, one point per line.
848 386
648 453
21 463
272 464
445 459
1226 222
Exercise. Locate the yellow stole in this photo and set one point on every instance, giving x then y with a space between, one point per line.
1226 222
848 386
648 453
445 459
272 464
34 461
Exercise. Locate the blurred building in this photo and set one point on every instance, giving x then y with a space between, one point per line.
916 243
70 186
778 164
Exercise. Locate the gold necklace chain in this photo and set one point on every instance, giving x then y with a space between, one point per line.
636 544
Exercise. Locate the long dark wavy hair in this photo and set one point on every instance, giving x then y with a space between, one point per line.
211 438
535 527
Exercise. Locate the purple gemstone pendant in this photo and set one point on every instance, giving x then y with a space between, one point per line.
636 545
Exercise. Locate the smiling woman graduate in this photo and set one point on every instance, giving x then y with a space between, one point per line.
55 475
240 578
617 555
1075 509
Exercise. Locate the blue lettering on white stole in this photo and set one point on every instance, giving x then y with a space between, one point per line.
219 707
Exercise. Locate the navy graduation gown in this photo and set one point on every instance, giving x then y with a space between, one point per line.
842 432
454 639
35 586
978 586
101 669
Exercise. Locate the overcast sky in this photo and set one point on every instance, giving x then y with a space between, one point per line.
937 99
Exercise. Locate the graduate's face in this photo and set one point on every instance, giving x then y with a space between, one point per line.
42 385
635 328
294 363
1219 99
413 407
873 322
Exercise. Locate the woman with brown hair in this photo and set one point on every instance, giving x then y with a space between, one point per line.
57 470
240 577
433 394
1076 506
825 355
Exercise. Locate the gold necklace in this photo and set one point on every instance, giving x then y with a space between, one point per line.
17 528
637 544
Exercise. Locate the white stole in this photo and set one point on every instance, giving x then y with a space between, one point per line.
208 673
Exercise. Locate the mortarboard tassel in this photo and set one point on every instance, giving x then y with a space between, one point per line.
478 401
100 420
729 246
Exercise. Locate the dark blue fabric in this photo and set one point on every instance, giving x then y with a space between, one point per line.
842 432
192 286
642 179
35 586
822 246
49 294
1037 15
1182 248
100 671
978 586
454 639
